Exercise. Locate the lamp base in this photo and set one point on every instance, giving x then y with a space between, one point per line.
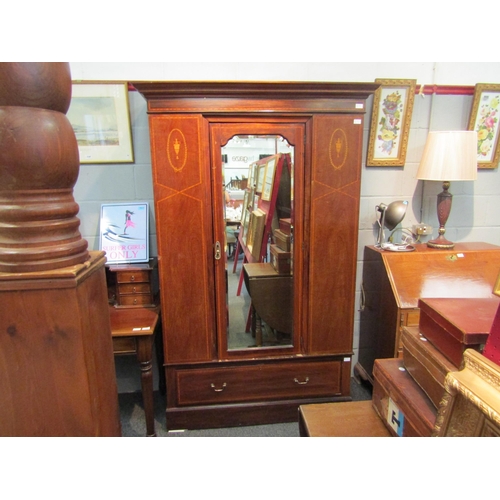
441 242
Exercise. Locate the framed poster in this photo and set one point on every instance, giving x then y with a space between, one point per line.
484 120
390 125
99 114
124 232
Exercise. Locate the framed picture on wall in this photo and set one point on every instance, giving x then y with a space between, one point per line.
484 120
99 114
390 123
124 232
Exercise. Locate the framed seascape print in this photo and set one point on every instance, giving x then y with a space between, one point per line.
267 188
390 124
124 232
484 120
99 114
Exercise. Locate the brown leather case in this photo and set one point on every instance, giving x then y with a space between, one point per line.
453 325
427 366
400 402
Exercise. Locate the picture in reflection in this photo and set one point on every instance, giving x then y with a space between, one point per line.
258 196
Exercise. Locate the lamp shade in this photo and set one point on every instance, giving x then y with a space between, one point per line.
449 156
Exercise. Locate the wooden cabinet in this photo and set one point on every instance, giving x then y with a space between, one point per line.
209 384
132 284
393 282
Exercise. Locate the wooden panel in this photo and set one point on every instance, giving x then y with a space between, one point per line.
258 382
468 270
57 375
184 234
334 231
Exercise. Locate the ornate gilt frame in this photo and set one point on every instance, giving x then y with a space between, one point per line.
390 123
496 288
484 120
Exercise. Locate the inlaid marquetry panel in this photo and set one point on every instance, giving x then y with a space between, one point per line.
184 233
334 228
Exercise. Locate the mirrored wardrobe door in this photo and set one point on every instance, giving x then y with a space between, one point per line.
256 232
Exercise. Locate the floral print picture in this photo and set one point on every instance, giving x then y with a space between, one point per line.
484 120
390 125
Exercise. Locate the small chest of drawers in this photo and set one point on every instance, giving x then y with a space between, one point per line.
133 285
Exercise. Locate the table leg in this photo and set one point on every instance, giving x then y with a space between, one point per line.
145 358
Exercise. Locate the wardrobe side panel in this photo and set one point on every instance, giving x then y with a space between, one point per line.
181 178
335 191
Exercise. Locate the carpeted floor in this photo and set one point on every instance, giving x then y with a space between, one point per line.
133 423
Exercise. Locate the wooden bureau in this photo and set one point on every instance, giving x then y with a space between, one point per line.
393 282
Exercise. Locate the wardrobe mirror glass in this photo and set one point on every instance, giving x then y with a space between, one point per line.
258 213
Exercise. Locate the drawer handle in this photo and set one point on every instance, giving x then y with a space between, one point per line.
220 389
301 383
134 290
132 278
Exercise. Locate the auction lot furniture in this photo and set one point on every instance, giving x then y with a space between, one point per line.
393 282
210 384
133 332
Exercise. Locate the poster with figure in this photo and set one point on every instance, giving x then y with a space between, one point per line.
124 232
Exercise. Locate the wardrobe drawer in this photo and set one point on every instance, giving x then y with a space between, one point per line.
132 288
262 382
134 300
133 276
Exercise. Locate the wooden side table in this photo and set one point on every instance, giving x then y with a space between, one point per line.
133 332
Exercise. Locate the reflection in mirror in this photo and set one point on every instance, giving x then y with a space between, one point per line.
258 195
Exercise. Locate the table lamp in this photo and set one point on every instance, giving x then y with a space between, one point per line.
448 156
390 216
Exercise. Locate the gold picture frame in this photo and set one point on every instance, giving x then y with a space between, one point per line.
484 120
261 175
256 232
390 123
100 116
496 288
267 187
